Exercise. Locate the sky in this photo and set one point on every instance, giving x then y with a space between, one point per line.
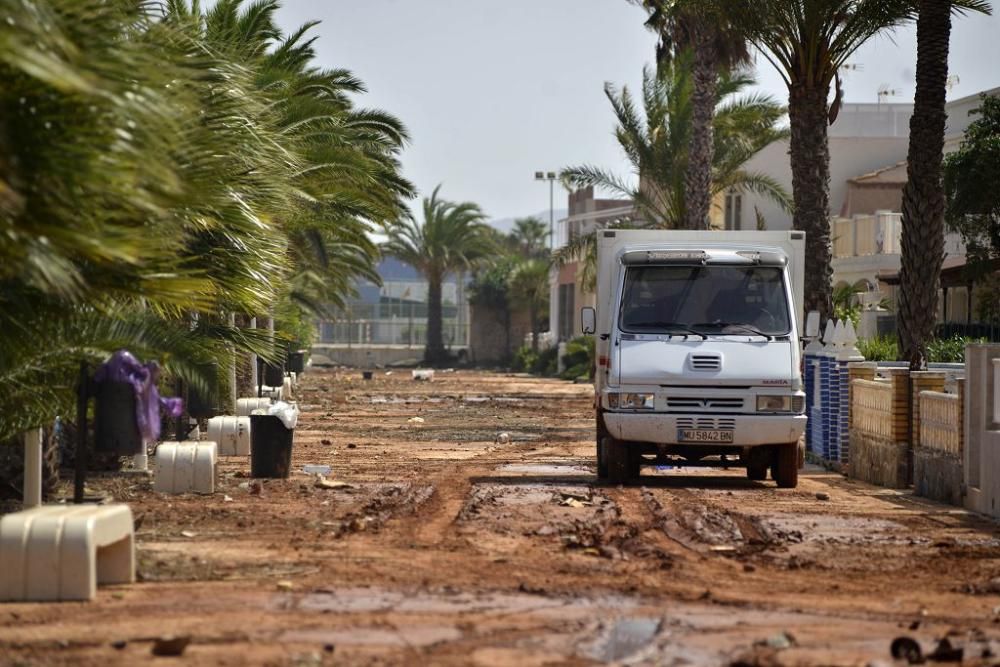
494 90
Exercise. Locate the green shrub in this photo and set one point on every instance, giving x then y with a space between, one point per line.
579 358
879 348
524 359
949 350
939 350
542 362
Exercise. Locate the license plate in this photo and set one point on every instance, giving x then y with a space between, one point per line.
703 435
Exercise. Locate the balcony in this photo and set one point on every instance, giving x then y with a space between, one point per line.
878 234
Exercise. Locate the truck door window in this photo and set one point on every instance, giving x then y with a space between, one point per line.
711 299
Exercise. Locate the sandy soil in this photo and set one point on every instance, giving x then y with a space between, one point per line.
450 544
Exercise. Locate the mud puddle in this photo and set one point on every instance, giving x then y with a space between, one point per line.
545 470
444 602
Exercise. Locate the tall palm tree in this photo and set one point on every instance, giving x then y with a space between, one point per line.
98 184
451 239
808 41
715 44
923 196
149 172
656 144
531 237
529 288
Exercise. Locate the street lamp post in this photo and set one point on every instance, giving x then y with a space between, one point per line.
551 178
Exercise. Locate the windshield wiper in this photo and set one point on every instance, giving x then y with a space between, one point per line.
749 328
673 328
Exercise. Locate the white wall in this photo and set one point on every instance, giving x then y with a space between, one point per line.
849 157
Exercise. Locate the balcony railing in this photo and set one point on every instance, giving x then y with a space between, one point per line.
878 234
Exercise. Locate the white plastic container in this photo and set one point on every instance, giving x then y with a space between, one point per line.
232 434
185 467
245 406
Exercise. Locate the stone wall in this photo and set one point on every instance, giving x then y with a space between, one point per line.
879 461
488 342
937 475
880 431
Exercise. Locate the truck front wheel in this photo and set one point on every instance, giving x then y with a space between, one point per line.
602 458
785 469
622 460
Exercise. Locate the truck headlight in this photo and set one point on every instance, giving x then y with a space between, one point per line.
794 404
774 404
631 401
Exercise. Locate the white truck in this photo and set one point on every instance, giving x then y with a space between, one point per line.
698 355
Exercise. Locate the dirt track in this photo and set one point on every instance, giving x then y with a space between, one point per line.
452 546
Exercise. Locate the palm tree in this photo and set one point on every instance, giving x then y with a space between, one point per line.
345 172
151 170
97 183
452 238
923 196
530 235
808 41
529 287
715 44
656 144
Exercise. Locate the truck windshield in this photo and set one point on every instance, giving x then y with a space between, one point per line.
705 299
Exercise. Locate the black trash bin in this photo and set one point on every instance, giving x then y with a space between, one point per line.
296 362
270 447
115 427
274 375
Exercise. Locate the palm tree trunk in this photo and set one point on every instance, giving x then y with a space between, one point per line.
810 158
434 352
701 150
533 314
923 196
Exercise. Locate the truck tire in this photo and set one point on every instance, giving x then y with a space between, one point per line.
602 459
756 471
758 461
623 461
785 469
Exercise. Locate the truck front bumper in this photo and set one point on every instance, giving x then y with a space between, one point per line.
663 429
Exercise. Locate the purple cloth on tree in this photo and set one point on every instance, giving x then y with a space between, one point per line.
124 367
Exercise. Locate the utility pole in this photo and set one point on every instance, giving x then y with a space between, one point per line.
551 178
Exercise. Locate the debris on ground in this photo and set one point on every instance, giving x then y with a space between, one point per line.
170 645
324 483
905 648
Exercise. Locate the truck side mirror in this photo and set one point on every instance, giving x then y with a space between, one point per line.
588 320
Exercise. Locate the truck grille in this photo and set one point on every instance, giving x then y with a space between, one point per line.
705 362
722 423
700 403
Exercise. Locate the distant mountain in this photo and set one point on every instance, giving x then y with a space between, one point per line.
507 224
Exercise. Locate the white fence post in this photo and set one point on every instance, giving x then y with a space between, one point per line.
33 468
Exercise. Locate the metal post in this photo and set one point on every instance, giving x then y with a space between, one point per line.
552 223
33 468
140 462
82 396
253 357
232 370
179 426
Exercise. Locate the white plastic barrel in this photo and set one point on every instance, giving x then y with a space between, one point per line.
245 406
232 434
185 467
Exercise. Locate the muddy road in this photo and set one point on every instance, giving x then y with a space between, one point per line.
462 525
